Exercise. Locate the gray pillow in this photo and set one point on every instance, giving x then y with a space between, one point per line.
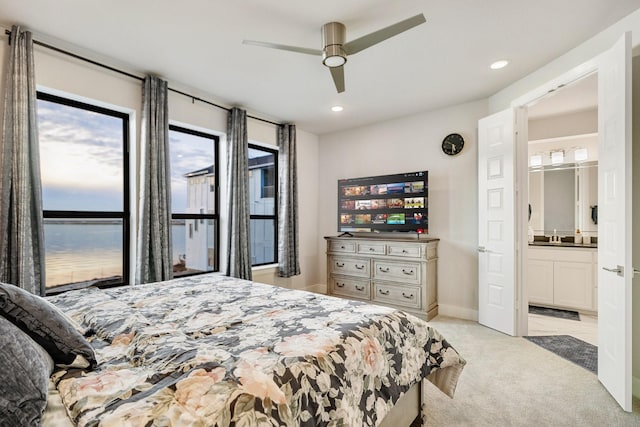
25 369
45 324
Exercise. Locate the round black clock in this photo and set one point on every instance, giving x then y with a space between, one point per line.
452 144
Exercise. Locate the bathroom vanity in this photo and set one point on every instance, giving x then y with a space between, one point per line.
563 275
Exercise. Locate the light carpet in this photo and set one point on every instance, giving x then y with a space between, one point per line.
510 381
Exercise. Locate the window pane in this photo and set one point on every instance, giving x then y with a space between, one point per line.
263 244
262 181
82 159
193 182
82 250
194 248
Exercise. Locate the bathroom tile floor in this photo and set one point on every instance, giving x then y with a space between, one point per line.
586 329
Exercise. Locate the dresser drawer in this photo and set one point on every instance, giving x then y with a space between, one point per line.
403 295
353 288
350 266
342 246
406 251
405 272
373 248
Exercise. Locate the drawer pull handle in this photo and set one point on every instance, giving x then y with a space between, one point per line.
404 251
410 296
384 270
342 247
359 288
340 285
383 292
372 249
359 267
407 272
339 264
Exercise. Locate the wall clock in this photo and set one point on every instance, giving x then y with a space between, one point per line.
452 144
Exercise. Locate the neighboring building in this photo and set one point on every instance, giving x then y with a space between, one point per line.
262 201
199 234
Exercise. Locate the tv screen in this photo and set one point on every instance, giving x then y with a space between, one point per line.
384 203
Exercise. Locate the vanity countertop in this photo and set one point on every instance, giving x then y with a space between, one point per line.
563 244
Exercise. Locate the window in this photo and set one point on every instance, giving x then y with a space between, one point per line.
194 201
263 172
84 168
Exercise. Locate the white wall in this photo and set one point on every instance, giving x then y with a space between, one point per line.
410 144
60 74
561 125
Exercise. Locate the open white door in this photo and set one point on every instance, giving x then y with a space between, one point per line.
496 222
615 271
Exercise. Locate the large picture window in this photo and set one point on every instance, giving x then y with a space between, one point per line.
263 184
194 201
85 196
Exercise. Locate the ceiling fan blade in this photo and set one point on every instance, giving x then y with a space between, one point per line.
297 49
337 73
355 46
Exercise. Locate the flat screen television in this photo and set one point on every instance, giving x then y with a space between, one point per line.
385 203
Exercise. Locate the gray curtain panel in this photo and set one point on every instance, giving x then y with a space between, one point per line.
289 264
239 252
154 230
21 223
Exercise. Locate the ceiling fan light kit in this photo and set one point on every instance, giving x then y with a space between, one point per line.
334 49
333 36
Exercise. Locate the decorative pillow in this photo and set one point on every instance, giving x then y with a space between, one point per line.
25 369
45 324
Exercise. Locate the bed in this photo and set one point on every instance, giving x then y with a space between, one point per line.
213 350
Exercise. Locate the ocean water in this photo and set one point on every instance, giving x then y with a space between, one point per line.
79 251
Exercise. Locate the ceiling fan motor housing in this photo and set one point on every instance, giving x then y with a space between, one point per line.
333 37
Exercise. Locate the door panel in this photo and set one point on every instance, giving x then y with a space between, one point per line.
496 269
614 221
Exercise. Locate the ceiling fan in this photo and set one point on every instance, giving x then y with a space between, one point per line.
334 49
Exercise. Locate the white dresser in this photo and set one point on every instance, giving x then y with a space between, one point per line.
396 272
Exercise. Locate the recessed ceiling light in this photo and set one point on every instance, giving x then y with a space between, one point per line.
337 108
499 64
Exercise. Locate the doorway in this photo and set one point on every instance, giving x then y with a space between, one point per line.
561 280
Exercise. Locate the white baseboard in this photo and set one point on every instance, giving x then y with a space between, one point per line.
318 288
459 312
636 387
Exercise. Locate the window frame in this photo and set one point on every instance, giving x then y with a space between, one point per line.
124 216
204 216
273 217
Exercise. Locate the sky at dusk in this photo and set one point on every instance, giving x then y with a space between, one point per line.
81 156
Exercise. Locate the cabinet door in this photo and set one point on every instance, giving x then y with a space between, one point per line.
540 281
573 284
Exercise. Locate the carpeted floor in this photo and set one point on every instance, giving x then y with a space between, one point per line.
510 381
554 312
571 348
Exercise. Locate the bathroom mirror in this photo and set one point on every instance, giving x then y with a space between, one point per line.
562 197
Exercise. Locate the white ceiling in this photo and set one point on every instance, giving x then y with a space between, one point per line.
198 44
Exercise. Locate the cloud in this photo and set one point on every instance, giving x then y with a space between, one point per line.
80 149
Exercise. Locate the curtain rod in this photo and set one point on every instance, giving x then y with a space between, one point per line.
133 76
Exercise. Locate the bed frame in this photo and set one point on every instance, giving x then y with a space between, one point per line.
407 411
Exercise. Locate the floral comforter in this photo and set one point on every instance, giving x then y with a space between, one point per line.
211 350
